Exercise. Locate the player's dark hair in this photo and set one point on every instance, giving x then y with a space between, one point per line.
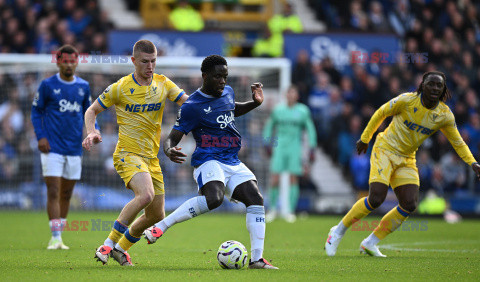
66 49
446 92
211 61
144 46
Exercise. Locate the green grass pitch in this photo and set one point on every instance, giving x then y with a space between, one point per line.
439 251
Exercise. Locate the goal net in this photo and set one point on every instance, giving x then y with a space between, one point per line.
21 182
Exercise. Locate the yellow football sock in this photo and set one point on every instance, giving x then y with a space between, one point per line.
359 210
390 222
117 231
127 241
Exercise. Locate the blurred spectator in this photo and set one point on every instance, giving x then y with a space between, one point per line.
287 21
185 18
10 113
400 18
302 75
347 140
41 26
453 171
268 45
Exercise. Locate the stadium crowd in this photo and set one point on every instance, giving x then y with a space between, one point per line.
341 102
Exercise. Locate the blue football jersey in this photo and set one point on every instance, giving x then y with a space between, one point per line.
212 123
58 111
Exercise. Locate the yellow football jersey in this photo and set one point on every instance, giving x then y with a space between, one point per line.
139 112
412 123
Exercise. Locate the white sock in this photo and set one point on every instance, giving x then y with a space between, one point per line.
63 223
117 246
372 239
55 228
109 242
189 209
341 228
256 228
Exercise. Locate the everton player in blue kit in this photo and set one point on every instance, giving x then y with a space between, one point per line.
209 113
57 117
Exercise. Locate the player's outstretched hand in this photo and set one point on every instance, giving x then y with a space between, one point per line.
257 92
361 147
175 155
476 168
43 145
91 139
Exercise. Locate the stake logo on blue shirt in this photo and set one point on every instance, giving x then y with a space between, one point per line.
212 123
57 113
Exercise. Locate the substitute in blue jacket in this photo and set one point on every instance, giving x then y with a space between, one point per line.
57 116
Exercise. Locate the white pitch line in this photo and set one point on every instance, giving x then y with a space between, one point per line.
396 247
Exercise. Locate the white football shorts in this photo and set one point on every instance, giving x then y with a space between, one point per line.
56 165
230 175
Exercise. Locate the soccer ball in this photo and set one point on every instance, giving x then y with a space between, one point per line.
232 255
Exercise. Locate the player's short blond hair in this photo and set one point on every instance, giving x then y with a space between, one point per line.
144 46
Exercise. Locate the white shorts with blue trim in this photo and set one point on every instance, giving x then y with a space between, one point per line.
56 165
230 175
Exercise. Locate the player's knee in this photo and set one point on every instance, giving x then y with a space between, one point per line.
409 206
52 193
146 198
375 200
214 200
255 198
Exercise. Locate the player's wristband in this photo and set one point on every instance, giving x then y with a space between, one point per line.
474 163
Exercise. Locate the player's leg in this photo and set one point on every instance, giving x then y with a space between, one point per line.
53 211
52 170
405 183
153 213
407 196
295 168
210 181
249 194
141 184
211 197
380 172
273 197
277 166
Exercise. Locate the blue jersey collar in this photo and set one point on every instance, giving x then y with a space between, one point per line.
64 81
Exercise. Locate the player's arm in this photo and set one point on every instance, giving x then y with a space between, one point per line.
182 99
451 132
312 135
268 133
37 117
257 97
87 102
170 146
390 108
93 135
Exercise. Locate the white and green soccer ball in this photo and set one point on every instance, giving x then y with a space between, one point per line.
232 255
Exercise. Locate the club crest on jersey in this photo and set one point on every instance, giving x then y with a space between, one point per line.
107 89
415 110
81 92
132 90
154 88
434 117
56 91
208 110
225 120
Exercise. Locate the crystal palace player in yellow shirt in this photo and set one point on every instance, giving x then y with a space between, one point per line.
416 116
139 100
